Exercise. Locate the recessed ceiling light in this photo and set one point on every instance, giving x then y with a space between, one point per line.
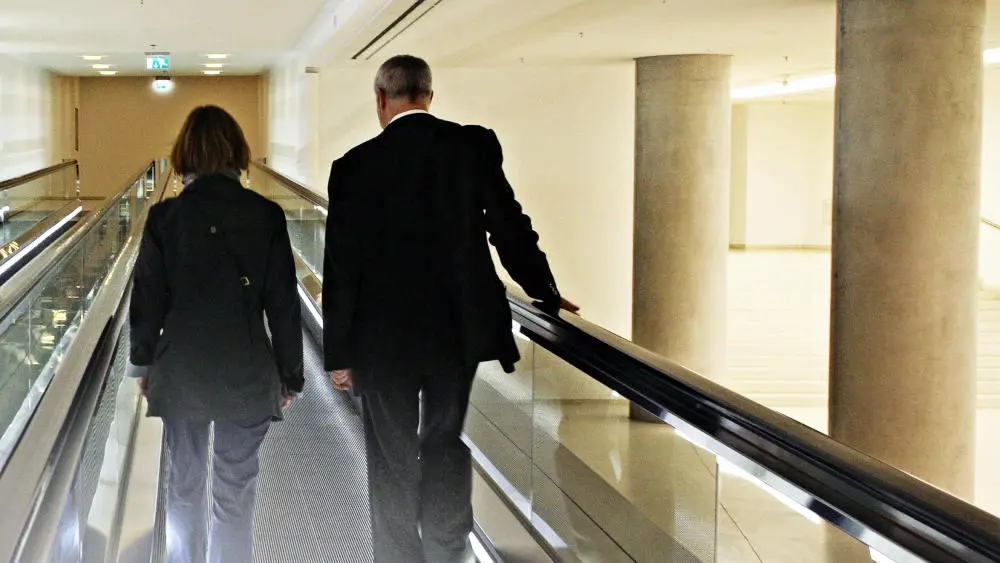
100 67
213 65
217 56
211 72
108 72
92 57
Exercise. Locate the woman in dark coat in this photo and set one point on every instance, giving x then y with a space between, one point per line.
213 262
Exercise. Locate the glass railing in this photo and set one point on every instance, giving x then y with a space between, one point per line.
600 486
39 320
305 212
27 200
35 209
69 415
718 478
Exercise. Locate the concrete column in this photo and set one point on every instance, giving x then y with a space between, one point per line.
682 174
903 325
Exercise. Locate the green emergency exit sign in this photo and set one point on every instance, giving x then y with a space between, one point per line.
158 63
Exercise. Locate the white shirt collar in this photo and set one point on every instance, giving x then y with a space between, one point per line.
405 113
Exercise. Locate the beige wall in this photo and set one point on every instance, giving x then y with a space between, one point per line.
991 145
25 118
124 123
738 177
783 175
989 253
293 111
568 138
264 113
65 101
783 164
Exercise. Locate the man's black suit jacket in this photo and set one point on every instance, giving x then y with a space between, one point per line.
409 283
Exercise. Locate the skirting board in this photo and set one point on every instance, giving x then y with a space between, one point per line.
779 247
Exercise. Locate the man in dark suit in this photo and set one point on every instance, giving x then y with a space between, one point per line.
412 304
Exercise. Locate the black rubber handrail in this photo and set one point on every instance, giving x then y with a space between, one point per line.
21 180
848 489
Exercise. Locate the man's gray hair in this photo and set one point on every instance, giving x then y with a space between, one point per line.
404 76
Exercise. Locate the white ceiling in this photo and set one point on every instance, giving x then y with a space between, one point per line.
769 39
759 33
54 33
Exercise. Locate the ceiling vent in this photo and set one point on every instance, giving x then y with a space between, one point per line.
410 16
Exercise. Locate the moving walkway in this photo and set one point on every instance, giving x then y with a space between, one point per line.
38 208
564 473
35 210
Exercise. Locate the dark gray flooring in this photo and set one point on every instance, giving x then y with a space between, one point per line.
312 498
312 493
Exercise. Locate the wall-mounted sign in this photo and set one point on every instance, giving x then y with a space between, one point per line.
163 85
158 63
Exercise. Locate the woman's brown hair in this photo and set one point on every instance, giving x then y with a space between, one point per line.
210 141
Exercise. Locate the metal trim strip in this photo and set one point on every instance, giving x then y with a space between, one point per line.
24 179
416 4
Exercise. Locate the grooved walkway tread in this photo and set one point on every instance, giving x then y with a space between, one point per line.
312 496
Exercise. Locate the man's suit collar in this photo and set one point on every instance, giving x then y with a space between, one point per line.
414 117
403 114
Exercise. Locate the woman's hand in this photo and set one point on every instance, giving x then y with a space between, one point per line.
143 385
286 398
